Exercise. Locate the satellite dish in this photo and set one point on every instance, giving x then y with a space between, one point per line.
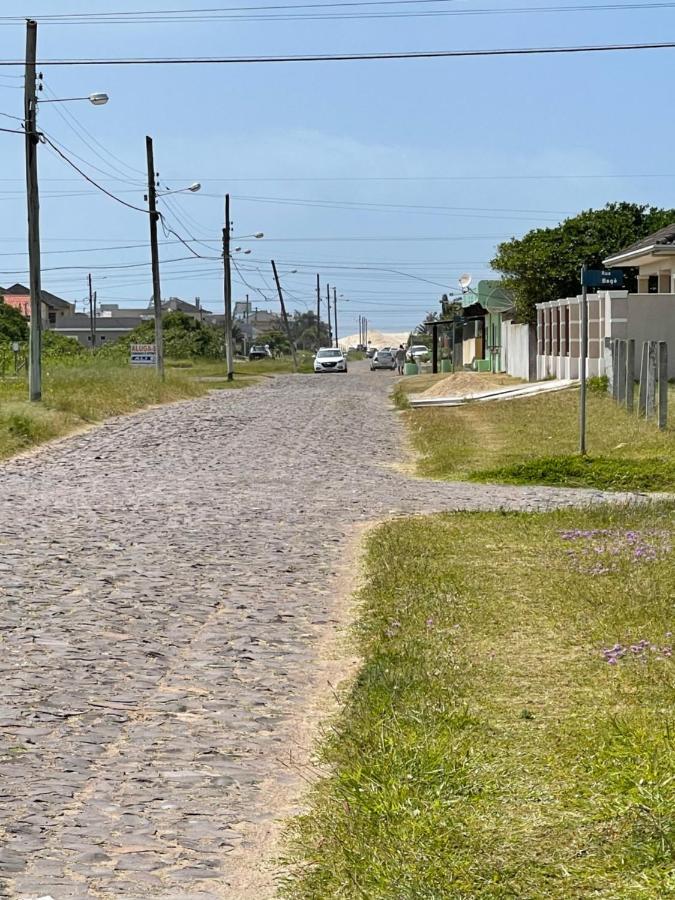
464 281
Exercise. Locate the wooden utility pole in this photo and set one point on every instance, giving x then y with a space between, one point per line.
32 140
227 291
330 329
335 314
318 311
285 317
92 316
154 250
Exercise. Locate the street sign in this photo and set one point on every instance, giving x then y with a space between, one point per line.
143 354
603 278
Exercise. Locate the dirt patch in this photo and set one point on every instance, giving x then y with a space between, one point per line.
459 384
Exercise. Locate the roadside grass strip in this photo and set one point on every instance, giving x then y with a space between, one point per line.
534 441
511 732
89 391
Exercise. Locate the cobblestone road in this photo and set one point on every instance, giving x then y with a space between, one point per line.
164 580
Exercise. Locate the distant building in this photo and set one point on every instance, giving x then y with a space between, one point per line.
195 310
115 311
53 308
108 328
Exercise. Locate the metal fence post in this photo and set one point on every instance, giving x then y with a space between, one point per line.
651 380
642 398
621 372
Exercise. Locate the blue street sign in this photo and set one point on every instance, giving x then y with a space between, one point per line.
603 278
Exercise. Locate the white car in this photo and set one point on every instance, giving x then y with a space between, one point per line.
418 351
330 359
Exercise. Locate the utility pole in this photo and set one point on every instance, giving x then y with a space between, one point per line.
154 249
360 341
285 317
335 314
365 332
330 329
582 363
227 291
33 200
318 311
92 316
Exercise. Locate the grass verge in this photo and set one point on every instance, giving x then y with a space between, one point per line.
534 440
77 395
511 731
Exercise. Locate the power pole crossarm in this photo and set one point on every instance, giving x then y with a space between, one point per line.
154 249
33 200
285 317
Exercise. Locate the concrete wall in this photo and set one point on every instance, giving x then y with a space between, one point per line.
642 317
611 315
519 348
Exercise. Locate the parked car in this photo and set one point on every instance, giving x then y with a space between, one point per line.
418 352
259 351
383 359
330 359
370 352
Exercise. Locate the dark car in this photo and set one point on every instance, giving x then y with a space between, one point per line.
258 351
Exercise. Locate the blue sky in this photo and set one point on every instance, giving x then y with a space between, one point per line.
472 141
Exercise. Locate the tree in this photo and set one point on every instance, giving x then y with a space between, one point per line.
545 264
422 333
303 331
13 325
184 338
275 340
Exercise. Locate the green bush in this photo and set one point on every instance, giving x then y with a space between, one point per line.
599 384
184 338
13 326
57 345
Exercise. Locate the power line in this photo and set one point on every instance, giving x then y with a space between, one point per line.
347 57
91 180
333 11
79 130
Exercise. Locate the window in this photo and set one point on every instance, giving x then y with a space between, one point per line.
566 335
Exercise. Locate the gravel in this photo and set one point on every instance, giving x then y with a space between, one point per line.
164 580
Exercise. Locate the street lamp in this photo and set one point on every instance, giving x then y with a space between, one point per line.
94 99
193 188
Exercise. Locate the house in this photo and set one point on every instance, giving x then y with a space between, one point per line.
175 304
108 328
645 315
115 311
53 308
242 309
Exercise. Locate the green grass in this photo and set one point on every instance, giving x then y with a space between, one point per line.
534 441
487 749
75 395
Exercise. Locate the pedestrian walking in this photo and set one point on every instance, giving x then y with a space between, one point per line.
400 359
